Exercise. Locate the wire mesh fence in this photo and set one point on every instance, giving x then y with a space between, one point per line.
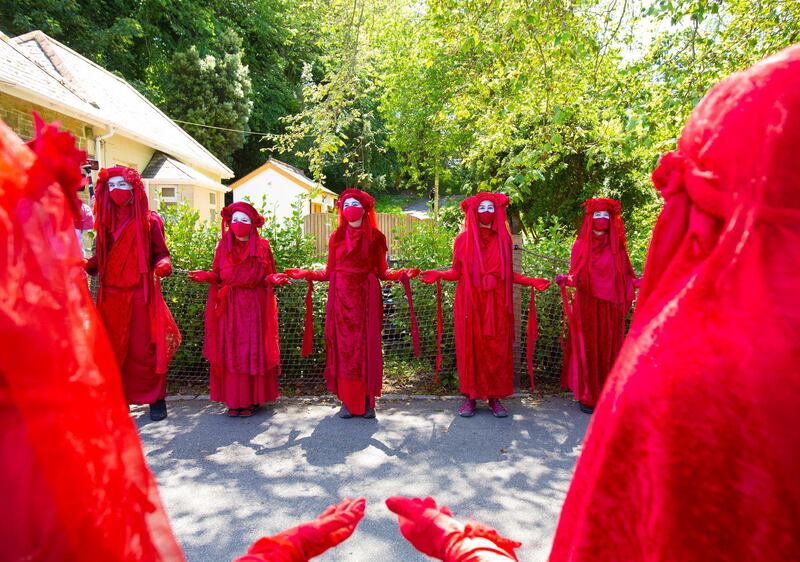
403 372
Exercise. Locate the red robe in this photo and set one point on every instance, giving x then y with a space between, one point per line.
354 318
693 452
597 314
73 478
134 312
242 326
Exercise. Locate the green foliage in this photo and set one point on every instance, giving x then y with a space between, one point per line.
213 89
425 246
290 245
191 242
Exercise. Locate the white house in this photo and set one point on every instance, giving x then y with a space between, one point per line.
280 185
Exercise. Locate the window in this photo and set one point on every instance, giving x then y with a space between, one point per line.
316 208
212 199
167 192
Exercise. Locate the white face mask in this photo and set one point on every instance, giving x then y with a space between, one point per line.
239 216
486 206
118 182
601 215
351 202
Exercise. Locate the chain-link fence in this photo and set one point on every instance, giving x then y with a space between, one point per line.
403 371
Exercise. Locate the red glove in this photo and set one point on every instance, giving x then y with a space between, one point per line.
202 276
91 265
428 528
294 273
536 282
276 279
396 274
637 282
310 539
433 531
565 280
163 267
412 272
430 276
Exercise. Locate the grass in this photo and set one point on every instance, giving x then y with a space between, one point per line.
394 203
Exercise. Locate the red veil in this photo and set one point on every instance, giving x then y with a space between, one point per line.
217 297
81 487
693 452
163 328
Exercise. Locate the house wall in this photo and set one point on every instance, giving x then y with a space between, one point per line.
278 193
16 112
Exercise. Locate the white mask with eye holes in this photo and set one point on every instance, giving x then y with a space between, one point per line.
118 182
486 206
239 216
601 215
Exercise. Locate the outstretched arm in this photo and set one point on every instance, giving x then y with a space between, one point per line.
433 531
310 539
536 282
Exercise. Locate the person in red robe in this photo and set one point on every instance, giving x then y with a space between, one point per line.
484 305
693 453
354 320
600 271
241 340
130 258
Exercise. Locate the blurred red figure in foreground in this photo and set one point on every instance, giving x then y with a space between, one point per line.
694 450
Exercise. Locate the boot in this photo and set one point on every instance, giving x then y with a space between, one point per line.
369 411
344 413
467 409
158 410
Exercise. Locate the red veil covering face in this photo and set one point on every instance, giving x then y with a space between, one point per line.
601 270
693 452
354 310
241 340
73 479
136 261
484 306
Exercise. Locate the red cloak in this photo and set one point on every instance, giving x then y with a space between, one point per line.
601 271
354 310
693 452
242 317
73 479
484 305
130 242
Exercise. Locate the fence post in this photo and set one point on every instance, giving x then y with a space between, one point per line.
519 360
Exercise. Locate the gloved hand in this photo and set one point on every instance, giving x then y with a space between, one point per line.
202 276
536 282
428 527
276 279
412 272
307 540
294 273
637 282
430 276
90 265
565 280
163 267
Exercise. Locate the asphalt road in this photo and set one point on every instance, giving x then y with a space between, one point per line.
227 481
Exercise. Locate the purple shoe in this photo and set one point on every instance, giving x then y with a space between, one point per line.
467 409
497 408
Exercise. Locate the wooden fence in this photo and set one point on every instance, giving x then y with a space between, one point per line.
319 226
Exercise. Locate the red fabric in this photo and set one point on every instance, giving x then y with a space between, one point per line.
334 525
130 242
433 531
601 271
693 451
354 309
74 481
242 342
121 196
484 306
241 229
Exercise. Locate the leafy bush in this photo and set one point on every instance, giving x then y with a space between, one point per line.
290 245
190 241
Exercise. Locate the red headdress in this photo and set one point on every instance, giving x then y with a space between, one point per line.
58 160
618 245
369 224
504 243
697 424
108 218
255 219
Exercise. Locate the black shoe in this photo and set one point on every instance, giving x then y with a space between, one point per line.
158 410
369 411
344 413
586 409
